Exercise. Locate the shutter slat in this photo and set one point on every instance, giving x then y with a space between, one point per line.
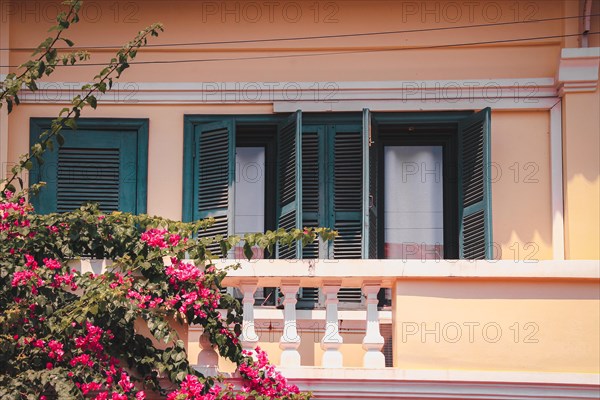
88 176
214 163
348 170
310 174
287 222
289 182
220 227
475 236
287 167
213 169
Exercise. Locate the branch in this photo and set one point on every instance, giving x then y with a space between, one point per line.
36 68
103 82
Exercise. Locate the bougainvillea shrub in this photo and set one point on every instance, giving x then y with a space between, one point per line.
68 334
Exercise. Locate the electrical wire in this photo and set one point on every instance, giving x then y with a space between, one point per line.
441 46
284 39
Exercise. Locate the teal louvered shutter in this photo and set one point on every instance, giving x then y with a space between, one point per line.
369 189
312 178
289 172
346 207
313 175
346 212
92 166
214 167
474 186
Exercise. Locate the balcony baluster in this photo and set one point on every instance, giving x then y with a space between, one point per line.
290 340
332 341
373 341
248 338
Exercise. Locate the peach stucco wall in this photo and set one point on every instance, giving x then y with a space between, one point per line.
190 21
497 325
581 142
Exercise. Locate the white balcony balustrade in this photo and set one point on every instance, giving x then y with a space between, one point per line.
557 298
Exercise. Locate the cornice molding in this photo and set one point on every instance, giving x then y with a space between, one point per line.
468 94
578 70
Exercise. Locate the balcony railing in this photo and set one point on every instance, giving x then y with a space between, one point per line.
560 297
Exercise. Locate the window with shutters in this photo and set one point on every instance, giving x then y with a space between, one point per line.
103 162
429 186
394 185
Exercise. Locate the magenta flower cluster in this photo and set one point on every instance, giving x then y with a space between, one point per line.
84 353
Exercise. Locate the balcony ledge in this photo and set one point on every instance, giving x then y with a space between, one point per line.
353 273
390 383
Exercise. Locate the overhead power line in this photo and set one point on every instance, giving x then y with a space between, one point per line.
316 37
441 46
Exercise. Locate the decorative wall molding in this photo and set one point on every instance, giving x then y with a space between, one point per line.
578 70
389 383
556 183
504 94
425 384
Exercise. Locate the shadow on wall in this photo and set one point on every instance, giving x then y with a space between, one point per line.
582 175
521 191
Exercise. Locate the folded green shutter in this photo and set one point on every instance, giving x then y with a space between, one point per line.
214 167
369 188
474 186
289 181
312 178
346 158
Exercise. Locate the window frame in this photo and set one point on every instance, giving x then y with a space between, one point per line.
257 137
423 135
140 126
371 122
189 125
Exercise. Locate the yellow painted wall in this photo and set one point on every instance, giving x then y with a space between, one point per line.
521 207
113 23
503 326
581 141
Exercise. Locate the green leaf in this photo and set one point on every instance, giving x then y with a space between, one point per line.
41 68
248 253
92 101
71 123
